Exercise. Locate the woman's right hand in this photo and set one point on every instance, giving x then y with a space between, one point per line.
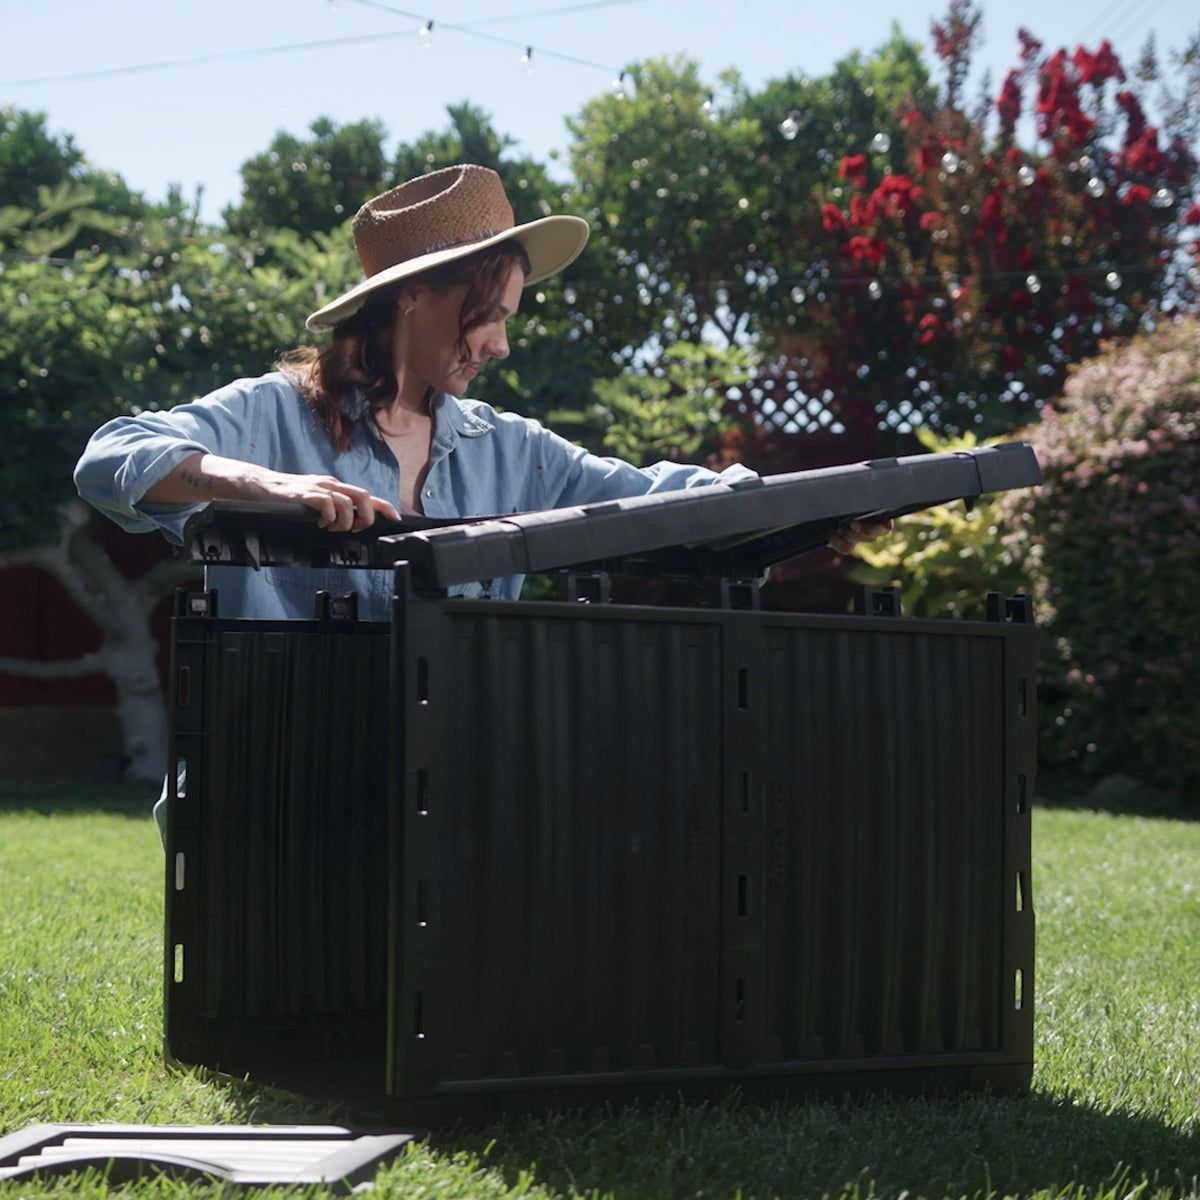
340 506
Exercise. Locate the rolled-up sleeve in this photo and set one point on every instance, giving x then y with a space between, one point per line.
129 455
572 475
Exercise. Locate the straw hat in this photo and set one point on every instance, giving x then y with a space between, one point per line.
441 216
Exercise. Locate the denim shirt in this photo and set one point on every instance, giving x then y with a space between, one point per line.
482 462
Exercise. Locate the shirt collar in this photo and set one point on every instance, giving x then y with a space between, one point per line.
454 418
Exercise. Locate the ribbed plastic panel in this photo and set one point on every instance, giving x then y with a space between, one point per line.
690 848
567 784
277 842
629 850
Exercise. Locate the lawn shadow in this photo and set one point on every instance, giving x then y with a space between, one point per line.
954 1146
256 1103
1117 795
129 799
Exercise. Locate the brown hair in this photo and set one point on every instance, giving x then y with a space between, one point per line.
359 358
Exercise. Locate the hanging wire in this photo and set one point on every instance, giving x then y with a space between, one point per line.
424 33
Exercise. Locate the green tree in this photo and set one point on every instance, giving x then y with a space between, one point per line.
553 358
312 185
661 173
107 313
674 409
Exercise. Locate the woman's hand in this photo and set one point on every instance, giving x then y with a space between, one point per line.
340 506
846 537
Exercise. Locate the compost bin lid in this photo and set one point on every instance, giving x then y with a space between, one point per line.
728 529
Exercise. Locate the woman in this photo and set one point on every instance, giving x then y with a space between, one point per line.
377 424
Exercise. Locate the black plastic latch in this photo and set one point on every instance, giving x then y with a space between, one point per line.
743 595
585 587
877 602
1013 610
329 607
195 604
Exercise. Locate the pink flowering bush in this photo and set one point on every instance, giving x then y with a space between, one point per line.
1112 541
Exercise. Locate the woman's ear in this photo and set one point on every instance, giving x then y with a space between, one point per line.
407 298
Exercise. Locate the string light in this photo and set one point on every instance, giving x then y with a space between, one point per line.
789 127
426 35
527 60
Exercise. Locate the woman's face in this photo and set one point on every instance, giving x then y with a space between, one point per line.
426 342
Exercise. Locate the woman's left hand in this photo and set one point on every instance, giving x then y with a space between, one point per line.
846 537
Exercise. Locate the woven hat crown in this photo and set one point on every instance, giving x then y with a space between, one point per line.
445 215
434 212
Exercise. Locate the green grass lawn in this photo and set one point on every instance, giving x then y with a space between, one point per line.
1112 1113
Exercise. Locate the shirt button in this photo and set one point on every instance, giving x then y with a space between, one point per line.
429 491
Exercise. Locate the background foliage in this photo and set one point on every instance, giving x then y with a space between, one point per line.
805 275
1112 546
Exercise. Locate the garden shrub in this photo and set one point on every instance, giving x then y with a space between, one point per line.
945 559
1112 543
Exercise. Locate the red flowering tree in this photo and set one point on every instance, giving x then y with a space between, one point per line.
955 274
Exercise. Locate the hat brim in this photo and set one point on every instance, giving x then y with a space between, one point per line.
551 244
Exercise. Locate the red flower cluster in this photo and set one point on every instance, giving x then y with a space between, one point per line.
1097 69
1030 46
854 168
832 219
870 250
1009 103
1143 156
1135 119
1060 115
895 196
929 154
950 41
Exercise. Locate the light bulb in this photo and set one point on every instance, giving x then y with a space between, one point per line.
789 127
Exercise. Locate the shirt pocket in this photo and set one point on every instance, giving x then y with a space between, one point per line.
296 587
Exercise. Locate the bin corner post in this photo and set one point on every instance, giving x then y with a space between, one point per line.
401 597
1016 613
184 943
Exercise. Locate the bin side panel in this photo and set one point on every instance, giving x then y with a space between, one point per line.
878 830
565 920
278 903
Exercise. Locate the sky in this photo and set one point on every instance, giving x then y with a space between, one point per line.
171 91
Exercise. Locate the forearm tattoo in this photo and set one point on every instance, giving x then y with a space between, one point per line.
199 482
